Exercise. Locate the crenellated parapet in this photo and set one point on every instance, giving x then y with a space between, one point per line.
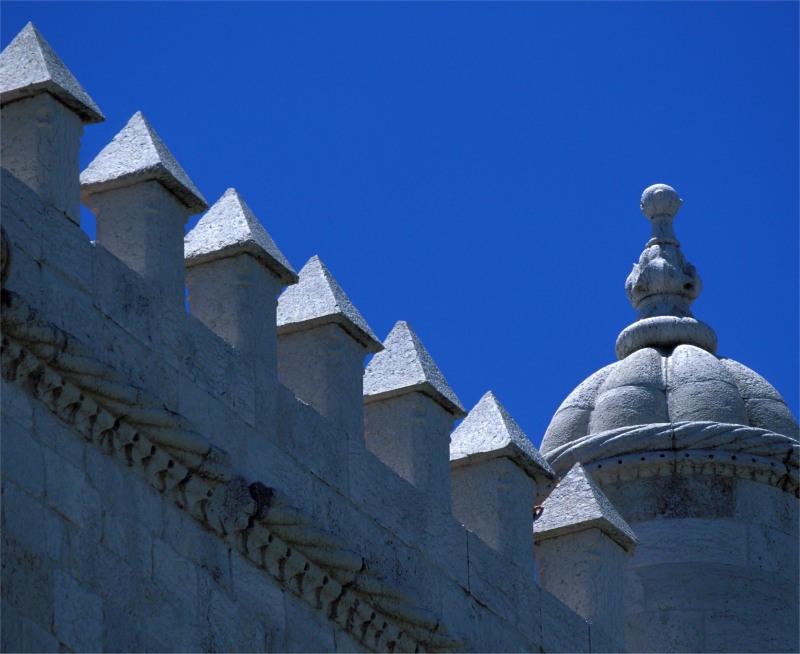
245 425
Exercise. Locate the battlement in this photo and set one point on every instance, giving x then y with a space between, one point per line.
229 475
251 411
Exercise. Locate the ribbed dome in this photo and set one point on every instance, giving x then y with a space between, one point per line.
668 370
657 386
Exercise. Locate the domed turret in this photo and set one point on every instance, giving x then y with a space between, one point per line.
699 454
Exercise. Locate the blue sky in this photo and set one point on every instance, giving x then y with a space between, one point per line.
476 168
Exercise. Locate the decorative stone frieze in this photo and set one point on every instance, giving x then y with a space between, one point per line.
260 522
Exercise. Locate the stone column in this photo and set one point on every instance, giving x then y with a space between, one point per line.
234 272
582 546
322 342
496 473
409 412
142 199
43 112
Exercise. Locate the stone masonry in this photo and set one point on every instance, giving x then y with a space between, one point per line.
231 478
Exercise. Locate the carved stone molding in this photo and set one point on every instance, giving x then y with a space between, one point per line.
688 447
133 426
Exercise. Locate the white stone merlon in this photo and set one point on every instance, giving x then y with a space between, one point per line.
322 342
496 473
234 272
44 109
582 547
142 198
409 410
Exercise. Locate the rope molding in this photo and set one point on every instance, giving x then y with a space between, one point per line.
261 523
737 446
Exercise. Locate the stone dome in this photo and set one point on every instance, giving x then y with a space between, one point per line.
668 370
656 385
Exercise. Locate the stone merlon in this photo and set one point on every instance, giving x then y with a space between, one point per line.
29 66
318 299
137 154
489 432
576 504
405 366
230 228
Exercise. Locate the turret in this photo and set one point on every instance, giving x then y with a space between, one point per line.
699 455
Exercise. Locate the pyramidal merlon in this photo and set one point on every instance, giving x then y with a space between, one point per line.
28 66
405 366
137 154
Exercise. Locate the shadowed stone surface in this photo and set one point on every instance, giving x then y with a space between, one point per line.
29 66
405 366
230 228
488 432
577 503
318 299
137 154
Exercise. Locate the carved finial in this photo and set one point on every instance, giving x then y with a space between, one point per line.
663 285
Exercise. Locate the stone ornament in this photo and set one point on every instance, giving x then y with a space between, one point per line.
663 285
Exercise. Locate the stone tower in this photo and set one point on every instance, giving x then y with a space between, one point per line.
699 454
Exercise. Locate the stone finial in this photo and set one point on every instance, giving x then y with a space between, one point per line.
577 504
29 66
137 154
663 285
405 366
228 229
489 432
318 299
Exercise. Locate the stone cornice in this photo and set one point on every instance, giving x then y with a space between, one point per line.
688 447
261 523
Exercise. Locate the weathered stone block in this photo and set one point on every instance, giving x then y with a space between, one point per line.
21 457
176 575
190 541
27 580
562 629
692 540
78 615
69 493
19 634
665 631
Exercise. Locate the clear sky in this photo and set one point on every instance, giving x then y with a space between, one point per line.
476 168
